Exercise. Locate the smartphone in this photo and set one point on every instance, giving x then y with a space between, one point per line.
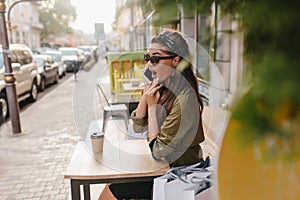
147 75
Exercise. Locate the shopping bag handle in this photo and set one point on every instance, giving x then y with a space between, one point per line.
182 171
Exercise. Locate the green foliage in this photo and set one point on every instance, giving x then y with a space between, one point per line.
166 12
272 105
271 46
56 15
197 5
231 6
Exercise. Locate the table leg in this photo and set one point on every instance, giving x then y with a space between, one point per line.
75 190
86 190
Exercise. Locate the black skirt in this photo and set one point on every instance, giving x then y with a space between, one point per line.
137 190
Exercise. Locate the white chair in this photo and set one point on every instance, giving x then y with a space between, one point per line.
112 110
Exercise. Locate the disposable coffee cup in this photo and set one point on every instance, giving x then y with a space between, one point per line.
97 139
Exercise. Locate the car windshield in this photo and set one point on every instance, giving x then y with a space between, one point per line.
40 62
86 49
55 57
69 52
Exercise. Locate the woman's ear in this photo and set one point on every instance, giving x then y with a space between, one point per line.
176 60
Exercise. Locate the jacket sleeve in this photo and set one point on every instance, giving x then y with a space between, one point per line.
139 124
180 128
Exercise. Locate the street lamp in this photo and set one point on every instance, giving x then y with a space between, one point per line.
9 77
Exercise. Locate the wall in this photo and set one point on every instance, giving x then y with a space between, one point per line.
24 22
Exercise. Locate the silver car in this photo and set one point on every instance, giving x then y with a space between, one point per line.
72 58
25 71
57 57
47 69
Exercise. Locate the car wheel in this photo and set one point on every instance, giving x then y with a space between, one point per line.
33 92
42 84
4 106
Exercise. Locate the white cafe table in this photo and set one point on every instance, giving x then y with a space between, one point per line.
122 160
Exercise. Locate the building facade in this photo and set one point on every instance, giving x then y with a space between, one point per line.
24 22
217 60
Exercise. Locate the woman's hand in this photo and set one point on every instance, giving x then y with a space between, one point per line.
143 105
151 93
149 102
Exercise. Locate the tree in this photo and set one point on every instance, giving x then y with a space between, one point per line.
271 107
56 15
166 12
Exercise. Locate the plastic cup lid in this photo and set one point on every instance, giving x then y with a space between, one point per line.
97 135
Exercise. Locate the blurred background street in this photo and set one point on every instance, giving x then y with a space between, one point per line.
33 162
243 55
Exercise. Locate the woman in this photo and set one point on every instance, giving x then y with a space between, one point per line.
170 109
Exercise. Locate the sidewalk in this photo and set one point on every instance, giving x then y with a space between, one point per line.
33 163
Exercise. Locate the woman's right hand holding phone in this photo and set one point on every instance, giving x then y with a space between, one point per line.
150 97
151 93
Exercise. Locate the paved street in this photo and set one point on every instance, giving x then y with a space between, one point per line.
32 164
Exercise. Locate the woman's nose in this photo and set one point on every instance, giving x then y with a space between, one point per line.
149 64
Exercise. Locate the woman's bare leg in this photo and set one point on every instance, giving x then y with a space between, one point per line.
106 194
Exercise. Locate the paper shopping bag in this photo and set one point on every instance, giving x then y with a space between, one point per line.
208 194
166 189
178 179
174 188
159 188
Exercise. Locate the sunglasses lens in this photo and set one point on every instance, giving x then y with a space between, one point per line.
154 60
147 57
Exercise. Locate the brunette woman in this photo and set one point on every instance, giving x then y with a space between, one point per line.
170 110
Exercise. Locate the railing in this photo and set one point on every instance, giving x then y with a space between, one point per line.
124 65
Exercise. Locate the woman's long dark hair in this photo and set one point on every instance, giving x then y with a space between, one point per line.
174 43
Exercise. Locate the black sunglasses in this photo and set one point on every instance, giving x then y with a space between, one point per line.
155 59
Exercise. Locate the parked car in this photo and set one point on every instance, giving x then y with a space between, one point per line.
40 50
26 75
72 58
87 50
47 69
57 57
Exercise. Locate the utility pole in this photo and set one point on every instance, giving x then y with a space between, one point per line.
9 77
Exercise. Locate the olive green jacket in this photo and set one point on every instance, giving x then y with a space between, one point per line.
180 134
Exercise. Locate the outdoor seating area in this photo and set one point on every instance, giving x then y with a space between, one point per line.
127 159
119 160
125 69
125 90
111 110
158 100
